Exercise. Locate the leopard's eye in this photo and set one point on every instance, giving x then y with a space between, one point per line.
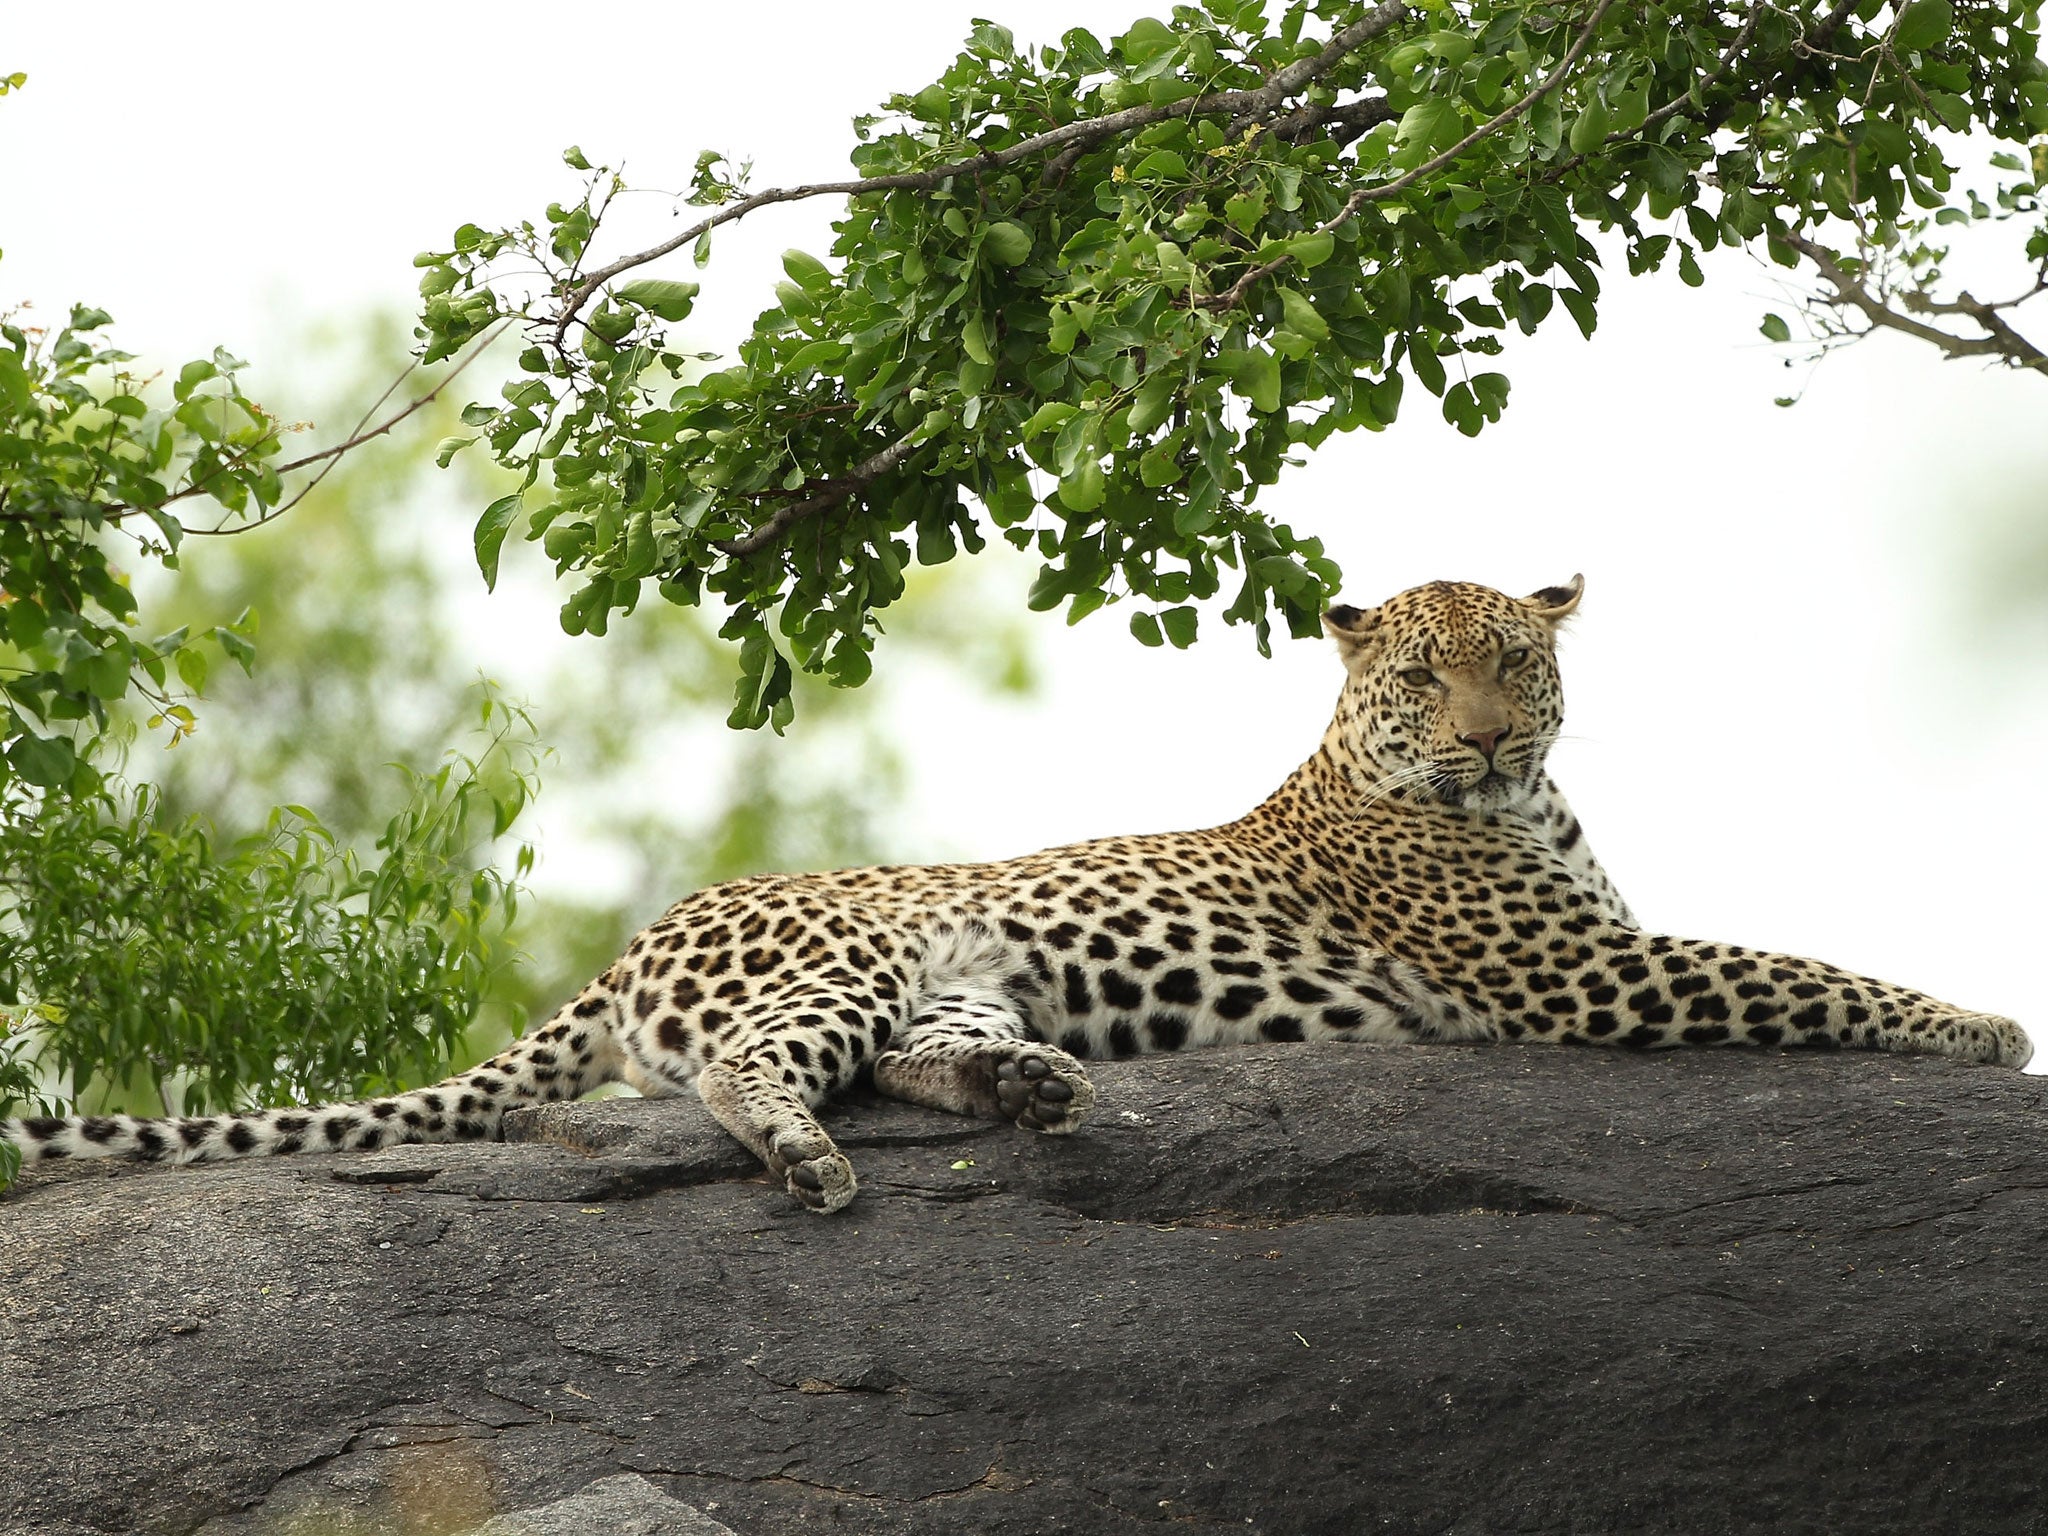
1418 677
1514 658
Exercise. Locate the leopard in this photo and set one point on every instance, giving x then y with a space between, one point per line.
1419 879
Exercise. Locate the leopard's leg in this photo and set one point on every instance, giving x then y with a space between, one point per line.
783 1061
965 1051
1654 990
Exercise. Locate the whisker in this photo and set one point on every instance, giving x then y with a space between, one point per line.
1388 784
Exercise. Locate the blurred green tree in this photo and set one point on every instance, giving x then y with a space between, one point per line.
142 952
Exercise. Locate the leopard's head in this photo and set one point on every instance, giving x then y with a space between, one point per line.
1453 695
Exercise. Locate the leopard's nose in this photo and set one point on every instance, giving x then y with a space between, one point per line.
1485 741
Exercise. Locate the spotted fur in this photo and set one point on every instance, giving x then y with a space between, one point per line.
1419 878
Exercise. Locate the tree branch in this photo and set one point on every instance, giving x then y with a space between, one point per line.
1072 139
2000 339
1234 294
1728 55
1341 123
828 493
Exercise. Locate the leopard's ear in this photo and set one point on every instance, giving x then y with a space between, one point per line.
1357 633
1556 604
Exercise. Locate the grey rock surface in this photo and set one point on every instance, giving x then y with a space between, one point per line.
626 1505
1293 1290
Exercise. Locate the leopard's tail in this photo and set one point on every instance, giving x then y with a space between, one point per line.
574 1052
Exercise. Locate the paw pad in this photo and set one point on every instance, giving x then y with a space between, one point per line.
1043 1094
813 1170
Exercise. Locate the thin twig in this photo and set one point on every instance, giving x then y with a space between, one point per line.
2001 341
121 510
333 455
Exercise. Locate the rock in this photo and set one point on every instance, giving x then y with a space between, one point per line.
625 1505
1282 1291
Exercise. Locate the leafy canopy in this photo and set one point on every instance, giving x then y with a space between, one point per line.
1094 296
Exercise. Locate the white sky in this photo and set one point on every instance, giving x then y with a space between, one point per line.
1788 726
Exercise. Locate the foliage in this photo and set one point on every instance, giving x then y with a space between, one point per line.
1097 295
280 968
87 456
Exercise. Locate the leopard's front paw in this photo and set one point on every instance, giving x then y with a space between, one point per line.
1043 1089
812 1169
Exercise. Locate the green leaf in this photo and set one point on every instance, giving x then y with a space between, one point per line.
1430 125
1313 248
1008 242
1246 209
1049 417
1146 629
450 446
237 646
45 761
974 339
1427 366
1553 216
191 376
1253 373
490 535
1082 487
1302 316
14 384
763 684
1160 465
662 297
1589 128
1461 410
1152 403
1048 589
573 158
1068 320
192 668
1923 24
1775 328
1146 40
1179 624
807 272
1581 309
935 544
